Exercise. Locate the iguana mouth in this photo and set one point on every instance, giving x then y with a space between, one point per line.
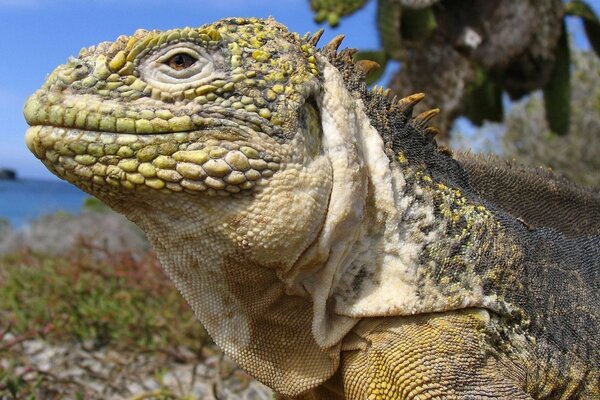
141 146
88 113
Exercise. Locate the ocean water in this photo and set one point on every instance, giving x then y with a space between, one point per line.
23 200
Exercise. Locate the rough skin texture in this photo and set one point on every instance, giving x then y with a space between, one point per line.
321 237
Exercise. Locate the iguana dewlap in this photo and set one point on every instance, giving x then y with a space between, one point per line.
320 236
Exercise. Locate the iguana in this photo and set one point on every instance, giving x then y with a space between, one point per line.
325 242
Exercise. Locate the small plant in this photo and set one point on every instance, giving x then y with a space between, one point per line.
120 301
4 224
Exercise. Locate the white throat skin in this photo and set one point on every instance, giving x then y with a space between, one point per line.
361 223
365 260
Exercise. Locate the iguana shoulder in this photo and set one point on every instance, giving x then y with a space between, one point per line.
542 245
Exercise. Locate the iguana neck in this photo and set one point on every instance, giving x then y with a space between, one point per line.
242 303
391 242
398 248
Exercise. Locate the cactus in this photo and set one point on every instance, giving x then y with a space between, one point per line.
490 48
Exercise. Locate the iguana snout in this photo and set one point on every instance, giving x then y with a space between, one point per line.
213 110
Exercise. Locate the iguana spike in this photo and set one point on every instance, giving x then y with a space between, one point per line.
406 104
445 150
387 93
367 66
431 132
333 45
348 54
314 39
424 117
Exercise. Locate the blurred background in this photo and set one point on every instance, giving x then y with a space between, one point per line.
85 311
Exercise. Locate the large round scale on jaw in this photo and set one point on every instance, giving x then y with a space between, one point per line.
157 162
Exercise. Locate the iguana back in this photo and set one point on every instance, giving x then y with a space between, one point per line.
537 196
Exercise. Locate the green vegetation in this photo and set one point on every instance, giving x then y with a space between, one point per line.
333 10
123 301
92 204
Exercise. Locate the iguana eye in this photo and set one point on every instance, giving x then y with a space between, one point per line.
178 67
181 61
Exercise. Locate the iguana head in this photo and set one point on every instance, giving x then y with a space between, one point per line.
214 115
227 96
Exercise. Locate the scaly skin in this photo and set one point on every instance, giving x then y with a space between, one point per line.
319 235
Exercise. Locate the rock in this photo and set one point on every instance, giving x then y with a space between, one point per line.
8 174
69 369
59 233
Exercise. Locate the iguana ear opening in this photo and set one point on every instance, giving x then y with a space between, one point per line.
312 128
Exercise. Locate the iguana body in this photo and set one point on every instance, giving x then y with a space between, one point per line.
319 235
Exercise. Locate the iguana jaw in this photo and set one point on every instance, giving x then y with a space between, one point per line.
113 165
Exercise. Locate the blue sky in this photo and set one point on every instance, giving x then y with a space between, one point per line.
38 35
